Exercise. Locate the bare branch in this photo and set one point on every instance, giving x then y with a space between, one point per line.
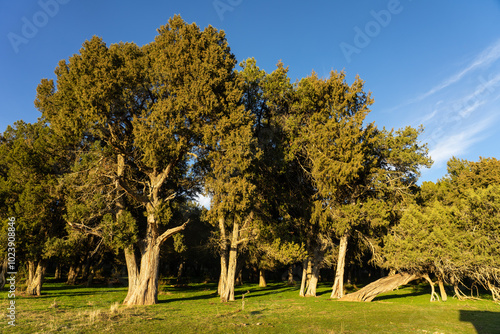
85 229
139 198
171 231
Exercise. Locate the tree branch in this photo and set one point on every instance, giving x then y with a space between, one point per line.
139 198
171 231
85 229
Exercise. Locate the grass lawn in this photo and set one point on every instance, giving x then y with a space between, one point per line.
275 309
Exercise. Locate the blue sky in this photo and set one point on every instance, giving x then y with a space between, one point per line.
435 63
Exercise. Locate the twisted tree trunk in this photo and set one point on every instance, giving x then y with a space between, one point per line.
434 295
145 289
385 284
35 285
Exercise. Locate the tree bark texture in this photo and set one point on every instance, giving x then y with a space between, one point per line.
73 274
146 287
444 296
306 276
3 273
434 295
228 292
317 263
31 272
262 278
35 285
224 258
385 284
58 274
495 291
132 270
338 284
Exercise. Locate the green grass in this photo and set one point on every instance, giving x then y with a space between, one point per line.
275 309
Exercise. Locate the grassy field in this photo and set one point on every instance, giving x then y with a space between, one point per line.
275 309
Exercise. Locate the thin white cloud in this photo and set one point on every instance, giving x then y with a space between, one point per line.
485 58
488 56
458 144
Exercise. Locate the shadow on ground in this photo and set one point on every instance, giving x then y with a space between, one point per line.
485 322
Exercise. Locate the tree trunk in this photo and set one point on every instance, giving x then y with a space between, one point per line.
262 279
442 290
239 276
458 293
146 288
180 270
58 274
385 284
228 293
35 286
3 281
31 272
495 292
306 276
132 270
434 295
224 258
313 282
338 284
314 277
73 274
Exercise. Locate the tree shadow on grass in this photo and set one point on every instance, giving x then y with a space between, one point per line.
271 289
50 291
209 295
485 322
210 291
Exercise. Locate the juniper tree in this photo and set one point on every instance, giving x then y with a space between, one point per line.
154 108
355 168
31 166
452 232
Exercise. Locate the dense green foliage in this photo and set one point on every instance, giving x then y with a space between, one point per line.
453 229
297 178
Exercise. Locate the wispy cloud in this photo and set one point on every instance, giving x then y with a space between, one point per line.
485 58
488 56
457 144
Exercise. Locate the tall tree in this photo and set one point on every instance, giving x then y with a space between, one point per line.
230 181
154 107
354 167
31 166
